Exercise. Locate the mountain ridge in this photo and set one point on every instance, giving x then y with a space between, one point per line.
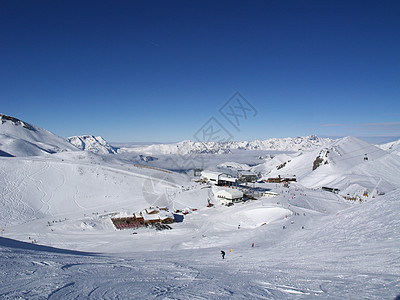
186 147
95 144
19 138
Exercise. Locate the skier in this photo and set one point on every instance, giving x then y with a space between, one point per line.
223 254
252 245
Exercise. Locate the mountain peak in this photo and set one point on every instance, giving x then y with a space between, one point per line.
19 138
95 144
17 122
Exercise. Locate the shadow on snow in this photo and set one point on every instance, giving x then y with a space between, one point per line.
10 243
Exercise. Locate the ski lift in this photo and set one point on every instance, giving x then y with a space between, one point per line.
365 156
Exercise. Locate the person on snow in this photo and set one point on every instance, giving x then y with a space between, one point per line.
223 254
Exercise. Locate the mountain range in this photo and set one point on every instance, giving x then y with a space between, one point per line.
57 238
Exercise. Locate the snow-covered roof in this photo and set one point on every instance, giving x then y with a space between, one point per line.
152 210
210 174
150 217
226 177
165 215
230 194
137 215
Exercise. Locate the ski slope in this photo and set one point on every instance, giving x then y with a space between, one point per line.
343 167
32 188
354 255
57 239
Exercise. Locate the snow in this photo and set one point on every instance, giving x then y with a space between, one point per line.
354 255
57 239
189 147
18 138
346 168
95 144
392 147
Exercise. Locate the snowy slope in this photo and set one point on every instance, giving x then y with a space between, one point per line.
278 144
392 147
36 188
352 254
95 144
342 166
308 243
18 138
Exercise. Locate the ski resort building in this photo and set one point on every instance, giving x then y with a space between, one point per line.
156 215
219 178
268 194
247 176
230 196
148 216
138 217
280 179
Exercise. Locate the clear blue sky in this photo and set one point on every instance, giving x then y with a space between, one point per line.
158 70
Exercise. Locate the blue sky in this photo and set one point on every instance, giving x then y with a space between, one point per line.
144 71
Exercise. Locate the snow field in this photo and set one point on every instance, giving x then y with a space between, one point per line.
307 243
321 261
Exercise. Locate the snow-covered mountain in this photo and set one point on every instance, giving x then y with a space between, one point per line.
307 143
349 164
95 144
392 147
54 205
307 244
18 138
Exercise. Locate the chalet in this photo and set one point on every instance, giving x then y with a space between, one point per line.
293 179
274 179
138 217
280 179
126 223
151 215
152 210
166 217
150 218
230 196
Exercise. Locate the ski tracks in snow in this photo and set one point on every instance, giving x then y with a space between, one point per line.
14 208
183 275
41 188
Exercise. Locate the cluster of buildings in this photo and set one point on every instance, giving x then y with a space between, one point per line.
148 216
230 195
218 178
